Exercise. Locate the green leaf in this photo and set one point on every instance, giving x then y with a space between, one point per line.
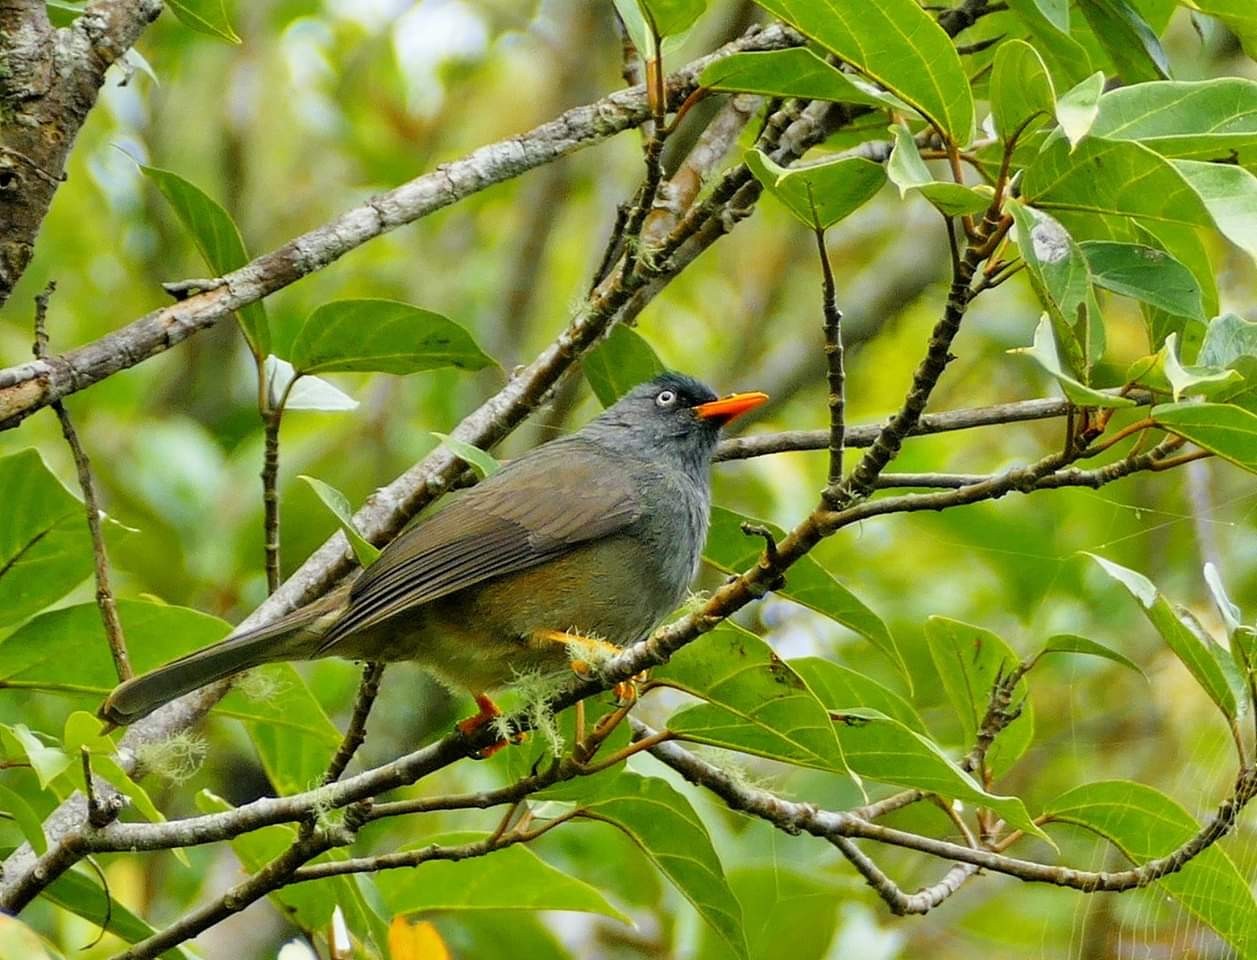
47 762
1194 120
1201 661
1022 95
83 896
755 702
969 660
513 878
45 549
671 17
204 16
1060 277
336 502
1145 824
1072 643
66 645
1054 12
880 748
1229 193
898 45
1163 373
28 821
782 903
382 336
1145 273
309 904
483 464
838 686
820 194
303 392
1128 40
1078 108
62 13
1043 352
795 72
215 234
618 364
290 730
665 827
908 172
1136 182
730 550
1228 338
1227 430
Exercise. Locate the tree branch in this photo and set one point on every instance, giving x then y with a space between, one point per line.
26 388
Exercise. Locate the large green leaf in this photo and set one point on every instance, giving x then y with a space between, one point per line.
1195 120
732 551
204 16
293 735
908 172
1113 177
897 44
620 363
45 549
838 686
1145 824
1145 273
1078 108
756 703
1022 96
382 336
782 904
819 194
795 72
1128 40
513 878
215 235
969 660
1043 352
66 646
1229 431
880 748
665 827
1199 655
1229 193
1060 277
672 17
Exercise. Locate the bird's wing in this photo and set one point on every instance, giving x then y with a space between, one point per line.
538 507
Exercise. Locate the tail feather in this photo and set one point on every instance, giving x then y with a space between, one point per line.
294 637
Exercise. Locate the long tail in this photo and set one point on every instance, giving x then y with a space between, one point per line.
294 637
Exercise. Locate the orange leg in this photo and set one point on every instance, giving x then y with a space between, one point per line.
489 711
625 690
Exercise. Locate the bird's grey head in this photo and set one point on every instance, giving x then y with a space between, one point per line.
672 416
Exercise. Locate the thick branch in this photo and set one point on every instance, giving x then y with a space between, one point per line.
50 83
26 388
829 825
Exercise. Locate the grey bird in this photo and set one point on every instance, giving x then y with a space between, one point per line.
593 536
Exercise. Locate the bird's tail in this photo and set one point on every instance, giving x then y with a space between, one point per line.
294 637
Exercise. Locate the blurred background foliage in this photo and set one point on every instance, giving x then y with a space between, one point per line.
324 103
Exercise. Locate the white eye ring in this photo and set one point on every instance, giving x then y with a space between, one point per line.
665 398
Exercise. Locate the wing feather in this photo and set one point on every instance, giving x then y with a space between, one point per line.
536 508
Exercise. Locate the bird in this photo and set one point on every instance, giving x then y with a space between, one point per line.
586 542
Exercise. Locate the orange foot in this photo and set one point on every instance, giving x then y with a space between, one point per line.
489 711
625 691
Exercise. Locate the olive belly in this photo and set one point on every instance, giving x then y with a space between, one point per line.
484 636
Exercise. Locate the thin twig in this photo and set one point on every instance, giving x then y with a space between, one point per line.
114 636
356 732
835 374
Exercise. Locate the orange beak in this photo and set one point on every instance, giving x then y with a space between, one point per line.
729 408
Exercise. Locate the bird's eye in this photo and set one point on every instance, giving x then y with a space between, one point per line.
665 398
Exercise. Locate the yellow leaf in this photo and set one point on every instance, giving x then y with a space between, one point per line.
415 941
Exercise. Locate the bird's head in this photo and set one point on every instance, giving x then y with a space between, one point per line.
672 415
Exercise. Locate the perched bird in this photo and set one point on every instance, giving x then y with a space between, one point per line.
592 535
